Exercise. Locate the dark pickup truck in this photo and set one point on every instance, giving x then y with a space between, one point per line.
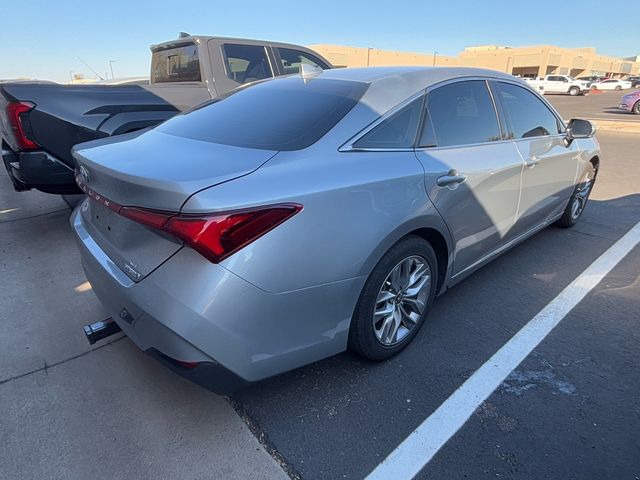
41 121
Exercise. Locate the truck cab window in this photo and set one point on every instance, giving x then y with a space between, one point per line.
177 64
246 63
292 59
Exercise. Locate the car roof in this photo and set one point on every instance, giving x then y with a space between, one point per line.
427 75
389 86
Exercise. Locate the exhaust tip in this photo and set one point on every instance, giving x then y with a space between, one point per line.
99 330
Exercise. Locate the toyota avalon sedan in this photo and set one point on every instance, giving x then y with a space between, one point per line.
307 215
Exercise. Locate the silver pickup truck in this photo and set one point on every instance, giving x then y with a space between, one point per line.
41 121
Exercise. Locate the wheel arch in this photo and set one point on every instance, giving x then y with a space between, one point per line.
439 245
432 229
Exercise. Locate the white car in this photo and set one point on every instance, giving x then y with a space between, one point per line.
612 84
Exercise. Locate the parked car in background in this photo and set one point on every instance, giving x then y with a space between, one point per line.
591 78
630 102
41 122
612 84
635 81
288 221
563 84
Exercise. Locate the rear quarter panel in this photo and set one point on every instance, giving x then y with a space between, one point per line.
356 206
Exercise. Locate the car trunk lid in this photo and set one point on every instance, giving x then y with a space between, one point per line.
153 171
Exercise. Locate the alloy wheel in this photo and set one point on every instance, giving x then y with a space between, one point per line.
581 196
402 300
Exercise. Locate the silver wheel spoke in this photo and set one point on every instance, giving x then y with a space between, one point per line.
416 304
418 287
384 296
417 274
384 311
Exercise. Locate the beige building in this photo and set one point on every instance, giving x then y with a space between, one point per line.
535 61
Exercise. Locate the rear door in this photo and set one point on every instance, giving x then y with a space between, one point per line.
556 84
472 173
550 165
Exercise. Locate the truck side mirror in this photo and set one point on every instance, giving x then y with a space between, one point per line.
579 128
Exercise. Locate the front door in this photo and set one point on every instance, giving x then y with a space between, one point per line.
472 175
550 165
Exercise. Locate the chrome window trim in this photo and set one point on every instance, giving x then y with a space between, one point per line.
348 145
541 98
495 110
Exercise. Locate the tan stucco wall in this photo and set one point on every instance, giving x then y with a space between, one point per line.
536 60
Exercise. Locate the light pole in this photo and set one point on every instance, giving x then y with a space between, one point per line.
111 62
434 57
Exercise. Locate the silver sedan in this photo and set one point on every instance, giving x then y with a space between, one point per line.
298 217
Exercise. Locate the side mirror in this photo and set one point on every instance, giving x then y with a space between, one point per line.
579 128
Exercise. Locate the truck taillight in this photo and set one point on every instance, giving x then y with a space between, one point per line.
20 127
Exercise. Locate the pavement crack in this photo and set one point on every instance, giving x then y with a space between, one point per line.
262 437
34 216
47 366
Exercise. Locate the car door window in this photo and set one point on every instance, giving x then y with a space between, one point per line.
246 63
397 131
292 59
527 115
460 113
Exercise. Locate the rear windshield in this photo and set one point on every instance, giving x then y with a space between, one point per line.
282 114
178 64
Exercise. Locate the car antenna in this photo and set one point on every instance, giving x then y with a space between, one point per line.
308 71
89 67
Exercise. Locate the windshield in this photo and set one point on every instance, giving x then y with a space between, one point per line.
284 114
178 64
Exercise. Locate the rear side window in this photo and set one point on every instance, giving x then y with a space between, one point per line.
461 113
292 59
398 131
177 64
246 63
525 112
284 114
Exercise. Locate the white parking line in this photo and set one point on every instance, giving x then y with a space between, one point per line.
425 441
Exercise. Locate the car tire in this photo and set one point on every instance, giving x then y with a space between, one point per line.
618 88
391 309
579 198
573 91
636 108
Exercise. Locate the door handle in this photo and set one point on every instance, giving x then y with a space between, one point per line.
453 177
532 161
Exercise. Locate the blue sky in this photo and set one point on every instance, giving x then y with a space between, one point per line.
42 39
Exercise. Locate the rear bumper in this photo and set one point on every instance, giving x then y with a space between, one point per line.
191 310
39 170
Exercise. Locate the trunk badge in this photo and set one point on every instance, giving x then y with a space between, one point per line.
84 173
132 271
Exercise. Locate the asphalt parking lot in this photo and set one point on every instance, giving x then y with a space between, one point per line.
595 106
570 410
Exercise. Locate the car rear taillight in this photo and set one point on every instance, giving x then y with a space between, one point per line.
20 126
218 235
214 235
